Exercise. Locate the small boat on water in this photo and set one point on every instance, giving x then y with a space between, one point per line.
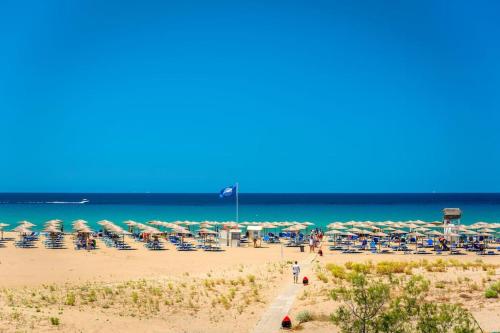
83 201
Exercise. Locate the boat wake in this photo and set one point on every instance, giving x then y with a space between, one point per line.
81 202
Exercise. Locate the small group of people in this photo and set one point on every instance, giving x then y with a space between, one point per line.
315 239
87 242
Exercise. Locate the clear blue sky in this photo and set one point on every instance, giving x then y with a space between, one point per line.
310 96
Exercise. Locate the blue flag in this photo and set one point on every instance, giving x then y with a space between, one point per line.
228 191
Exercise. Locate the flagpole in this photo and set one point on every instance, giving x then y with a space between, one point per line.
237 203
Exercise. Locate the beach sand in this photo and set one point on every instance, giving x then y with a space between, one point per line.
45 290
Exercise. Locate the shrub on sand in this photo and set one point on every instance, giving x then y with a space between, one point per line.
304 316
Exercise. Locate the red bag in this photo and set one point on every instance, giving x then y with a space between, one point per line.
286 323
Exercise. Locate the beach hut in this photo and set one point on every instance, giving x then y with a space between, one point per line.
451 219
254 234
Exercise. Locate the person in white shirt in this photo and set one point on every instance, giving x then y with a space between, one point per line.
295 271
311 244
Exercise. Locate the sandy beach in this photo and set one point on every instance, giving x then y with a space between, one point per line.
165 291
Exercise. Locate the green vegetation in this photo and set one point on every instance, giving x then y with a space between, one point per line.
337 271
54 321
70 299
304 317
490 293
493 290
322 277
371 305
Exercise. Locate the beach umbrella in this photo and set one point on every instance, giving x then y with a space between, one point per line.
27 224
336 226
56 221
22 229
83 230
207 232
434 234
380 234
2 226
52 229
417 235
79 222
436 222
411 225
399 232
297 227
77 225
350 223
181 231
230 224
374 227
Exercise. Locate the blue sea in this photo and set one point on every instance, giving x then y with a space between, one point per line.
320 209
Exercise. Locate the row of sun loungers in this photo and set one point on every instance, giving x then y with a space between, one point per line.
55 242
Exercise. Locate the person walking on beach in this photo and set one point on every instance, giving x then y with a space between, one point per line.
295 271
311 243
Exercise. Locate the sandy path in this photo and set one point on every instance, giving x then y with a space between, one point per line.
270 321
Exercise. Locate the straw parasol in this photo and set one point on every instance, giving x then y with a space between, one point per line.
380 234
336 226
27 224
22 230
52 229
207 232
2 226
417 235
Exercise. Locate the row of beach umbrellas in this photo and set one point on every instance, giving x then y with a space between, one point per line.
415 228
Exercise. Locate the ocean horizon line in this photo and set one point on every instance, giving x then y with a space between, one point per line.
258 193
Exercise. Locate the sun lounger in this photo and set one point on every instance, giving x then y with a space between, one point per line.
186 247
213 249
488 253
351 251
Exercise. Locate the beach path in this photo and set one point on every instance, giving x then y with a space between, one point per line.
270 321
